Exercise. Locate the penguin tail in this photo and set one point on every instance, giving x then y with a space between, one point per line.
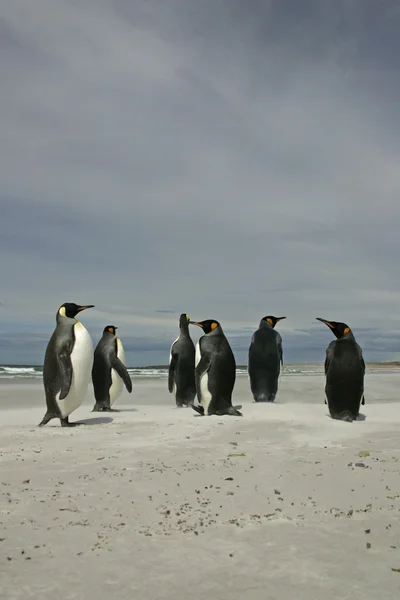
346 416
198 408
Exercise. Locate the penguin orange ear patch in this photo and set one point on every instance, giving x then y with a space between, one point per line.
270 321
111 330
214 326
347 330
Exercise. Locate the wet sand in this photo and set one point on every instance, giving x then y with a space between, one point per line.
156 503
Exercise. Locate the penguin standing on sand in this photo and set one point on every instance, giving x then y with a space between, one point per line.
215 371
344 371
67 365
265 360
181 378
109 373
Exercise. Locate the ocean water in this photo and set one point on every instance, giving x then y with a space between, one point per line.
35 372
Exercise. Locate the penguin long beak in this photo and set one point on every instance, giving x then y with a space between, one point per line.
85 307
195 323
280 318
325 321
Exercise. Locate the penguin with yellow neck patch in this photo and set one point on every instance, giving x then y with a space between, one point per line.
181 379
109 373
67 365
344 371
215 371
265 360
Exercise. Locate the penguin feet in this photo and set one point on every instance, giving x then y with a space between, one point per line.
65 423
264 398
101 408
46 419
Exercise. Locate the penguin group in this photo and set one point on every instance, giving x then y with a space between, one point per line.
70 362
207 370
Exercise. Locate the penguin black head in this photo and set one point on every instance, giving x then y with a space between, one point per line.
272 320
207 326
70 310
184 320
339 329
110 329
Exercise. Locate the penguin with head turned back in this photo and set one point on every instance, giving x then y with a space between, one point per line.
265 360
215 371
109 373
344 370
181 380
67 365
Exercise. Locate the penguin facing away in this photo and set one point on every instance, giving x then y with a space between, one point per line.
215 371
181 375
344 371
109 373
265 359
67 365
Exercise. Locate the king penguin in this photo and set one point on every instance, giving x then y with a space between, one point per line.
181 378
265 360
67 365
109 373
215 371
344 371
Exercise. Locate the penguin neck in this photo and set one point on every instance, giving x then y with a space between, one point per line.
184 329
107 335
348 336
62 319
215 332
265 325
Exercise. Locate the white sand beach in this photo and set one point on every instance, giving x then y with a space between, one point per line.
154 502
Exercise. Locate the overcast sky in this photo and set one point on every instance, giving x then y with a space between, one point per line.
225 158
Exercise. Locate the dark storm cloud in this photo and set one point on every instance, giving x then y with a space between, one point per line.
225 159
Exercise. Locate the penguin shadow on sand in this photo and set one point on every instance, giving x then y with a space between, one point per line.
95 421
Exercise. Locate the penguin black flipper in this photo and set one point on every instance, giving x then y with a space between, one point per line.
329 355
65 370
122 371
171 372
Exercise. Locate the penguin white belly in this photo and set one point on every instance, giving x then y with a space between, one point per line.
82 362
117 385
198 354
170 352
205 396
170 358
